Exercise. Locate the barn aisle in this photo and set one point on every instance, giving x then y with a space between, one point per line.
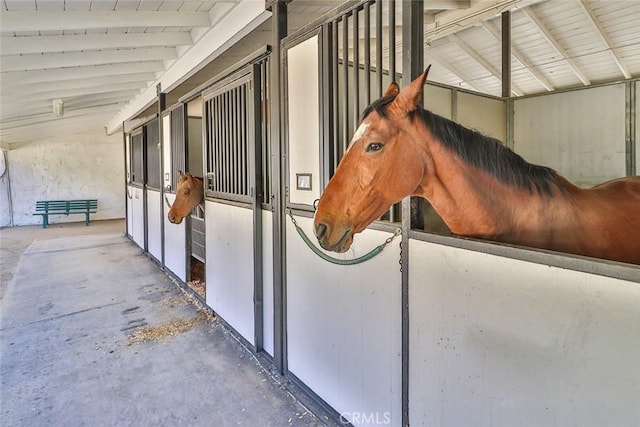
93 333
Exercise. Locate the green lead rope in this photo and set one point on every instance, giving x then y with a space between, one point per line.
375 251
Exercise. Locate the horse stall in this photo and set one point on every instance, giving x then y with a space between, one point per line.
411 325
235 124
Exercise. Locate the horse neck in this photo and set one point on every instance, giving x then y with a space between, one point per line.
472 202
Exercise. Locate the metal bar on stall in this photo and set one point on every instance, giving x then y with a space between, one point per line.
379 49
345 72
356 69
367 54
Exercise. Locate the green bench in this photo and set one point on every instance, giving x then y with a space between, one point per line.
65 207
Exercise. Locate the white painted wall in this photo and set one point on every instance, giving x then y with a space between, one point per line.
77 166
304 119
581 133
438 100
344 332
229 266
485 115
267 282
175 244
154 221
137 216
501 342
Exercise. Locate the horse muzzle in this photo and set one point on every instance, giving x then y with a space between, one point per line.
173 218
332 241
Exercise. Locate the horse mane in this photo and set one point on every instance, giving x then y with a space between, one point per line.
481 151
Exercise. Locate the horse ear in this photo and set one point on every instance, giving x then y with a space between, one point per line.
181 173
392 90
411 95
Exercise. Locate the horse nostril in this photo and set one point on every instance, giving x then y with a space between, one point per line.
321 229
172 217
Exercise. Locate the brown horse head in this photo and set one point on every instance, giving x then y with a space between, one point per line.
189 194
374 173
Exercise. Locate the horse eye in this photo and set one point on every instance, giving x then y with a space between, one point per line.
374 146
187 191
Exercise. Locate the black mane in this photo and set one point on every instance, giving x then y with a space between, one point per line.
481 151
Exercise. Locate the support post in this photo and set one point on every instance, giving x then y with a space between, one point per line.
506 54
412 66
279 31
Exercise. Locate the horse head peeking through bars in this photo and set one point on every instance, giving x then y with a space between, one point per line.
479 187
189 194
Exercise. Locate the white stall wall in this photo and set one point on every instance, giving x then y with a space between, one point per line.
502 342
229 266
438 100
304 119
344 331
154 224
130 190
79 166
175 244
267 282
137 216
580 133
485 115
5 197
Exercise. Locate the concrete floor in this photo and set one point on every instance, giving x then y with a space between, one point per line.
94 334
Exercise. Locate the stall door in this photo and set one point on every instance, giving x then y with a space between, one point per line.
233 204
175 240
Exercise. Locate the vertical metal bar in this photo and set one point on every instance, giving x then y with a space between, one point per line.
254 163
506 54
379 48
392 41
217 162
228 124
367 55
335 98
326 102
356 69
279 31
630 128
412 66
231 117
244 140
345 95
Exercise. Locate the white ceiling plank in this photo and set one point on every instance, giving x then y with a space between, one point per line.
432 53
25 89
447 4
483 62
49 117
76 59
54 94
72 43
552 41
82 20
605 38
244 18
72 73
452 21
520 58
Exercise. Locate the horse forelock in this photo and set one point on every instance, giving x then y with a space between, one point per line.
490 155
379 106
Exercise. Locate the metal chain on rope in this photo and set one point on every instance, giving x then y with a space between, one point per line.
166 200
375 251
